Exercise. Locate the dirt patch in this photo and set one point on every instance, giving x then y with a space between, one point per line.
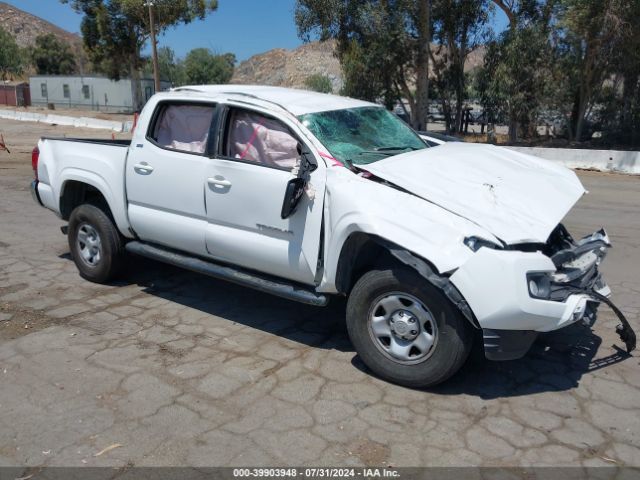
22 321
370 453
173 352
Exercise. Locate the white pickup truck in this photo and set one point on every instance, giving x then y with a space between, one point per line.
306 195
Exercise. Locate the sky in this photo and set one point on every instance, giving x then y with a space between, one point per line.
242 27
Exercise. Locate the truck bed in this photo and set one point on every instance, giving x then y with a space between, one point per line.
97 162
97 141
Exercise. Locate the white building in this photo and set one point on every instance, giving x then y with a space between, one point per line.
89 92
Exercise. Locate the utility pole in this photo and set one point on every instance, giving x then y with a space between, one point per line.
154 46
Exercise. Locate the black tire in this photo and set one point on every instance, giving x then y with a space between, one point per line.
109 263
454 337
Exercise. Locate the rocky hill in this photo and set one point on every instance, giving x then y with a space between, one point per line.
280 67
26 27
290 68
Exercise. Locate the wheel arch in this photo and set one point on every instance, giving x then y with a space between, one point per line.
362 251
77 188
75 193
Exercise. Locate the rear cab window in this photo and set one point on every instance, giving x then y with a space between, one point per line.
183 127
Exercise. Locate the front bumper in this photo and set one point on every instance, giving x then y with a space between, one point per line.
494 284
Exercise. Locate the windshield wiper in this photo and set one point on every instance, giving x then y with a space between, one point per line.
374 152
385 149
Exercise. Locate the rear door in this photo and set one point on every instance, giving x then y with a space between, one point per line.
165 176
246 183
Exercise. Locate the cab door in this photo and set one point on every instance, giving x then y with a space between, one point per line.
165 176
245 188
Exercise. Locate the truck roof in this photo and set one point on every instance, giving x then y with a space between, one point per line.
298 102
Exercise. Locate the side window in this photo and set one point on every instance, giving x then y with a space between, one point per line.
182 127
65 91
255 138
85 91
43 89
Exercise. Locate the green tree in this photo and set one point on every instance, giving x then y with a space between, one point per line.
11 57
382 46
377 61
52 56
619 113
591 32
460 26
114 31
319 83
517 76
202 67
171 67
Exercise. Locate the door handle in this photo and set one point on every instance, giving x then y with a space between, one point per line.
143 168
218 182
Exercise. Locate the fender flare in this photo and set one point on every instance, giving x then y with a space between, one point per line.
428 273
97 182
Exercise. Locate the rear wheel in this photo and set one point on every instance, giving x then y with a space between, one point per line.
95 244
405 329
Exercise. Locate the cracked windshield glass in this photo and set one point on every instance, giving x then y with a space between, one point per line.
359 136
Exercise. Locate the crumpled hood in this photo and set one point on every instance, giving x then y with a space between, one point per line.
518 198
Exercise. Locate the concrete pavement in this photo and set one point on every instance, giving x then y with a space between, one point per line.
167 367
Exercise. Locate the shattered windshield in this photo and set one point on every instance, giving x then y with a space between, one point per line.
359 136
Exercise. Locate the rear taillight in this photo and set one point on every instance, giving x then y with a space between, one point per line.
35 156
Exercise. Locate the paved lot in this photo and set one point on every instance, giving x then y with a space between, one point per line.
177 369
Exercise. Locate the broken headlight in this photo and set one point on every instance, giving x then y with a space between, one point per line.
476 243
539 285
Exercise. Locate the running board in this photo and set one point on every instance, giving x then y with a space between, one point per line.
235 275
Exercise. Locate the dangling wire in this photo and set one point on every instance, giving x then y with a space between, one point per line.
624 330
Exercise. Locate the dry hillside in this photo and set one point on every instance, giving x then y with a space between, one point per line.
290 68
26 27
281 67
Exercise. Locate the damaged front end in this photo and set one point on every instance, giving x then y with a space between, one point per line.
577 264
531 288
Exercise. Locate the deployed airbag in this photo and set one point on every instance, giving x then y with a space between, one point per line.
255 138
185 127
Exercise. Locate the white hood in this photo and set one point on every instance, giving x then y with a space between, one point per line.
516 197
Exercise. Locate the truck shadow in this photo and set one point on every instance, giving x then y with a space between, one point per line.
304 324
556 362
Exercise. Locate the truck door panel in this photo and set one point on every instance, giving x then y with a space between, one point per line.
165 177
246 184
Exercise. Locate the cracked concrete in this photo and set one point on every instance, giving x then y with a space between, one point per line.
181 369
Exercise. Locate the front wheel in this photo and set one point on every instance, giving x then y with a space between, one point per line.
95 244
405 329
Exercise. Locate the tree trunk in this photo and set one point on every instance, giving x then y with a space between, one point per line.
628 94
459 94
459 58
408 95
136 93
582 108
508 11
446 111
420 117
513 129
